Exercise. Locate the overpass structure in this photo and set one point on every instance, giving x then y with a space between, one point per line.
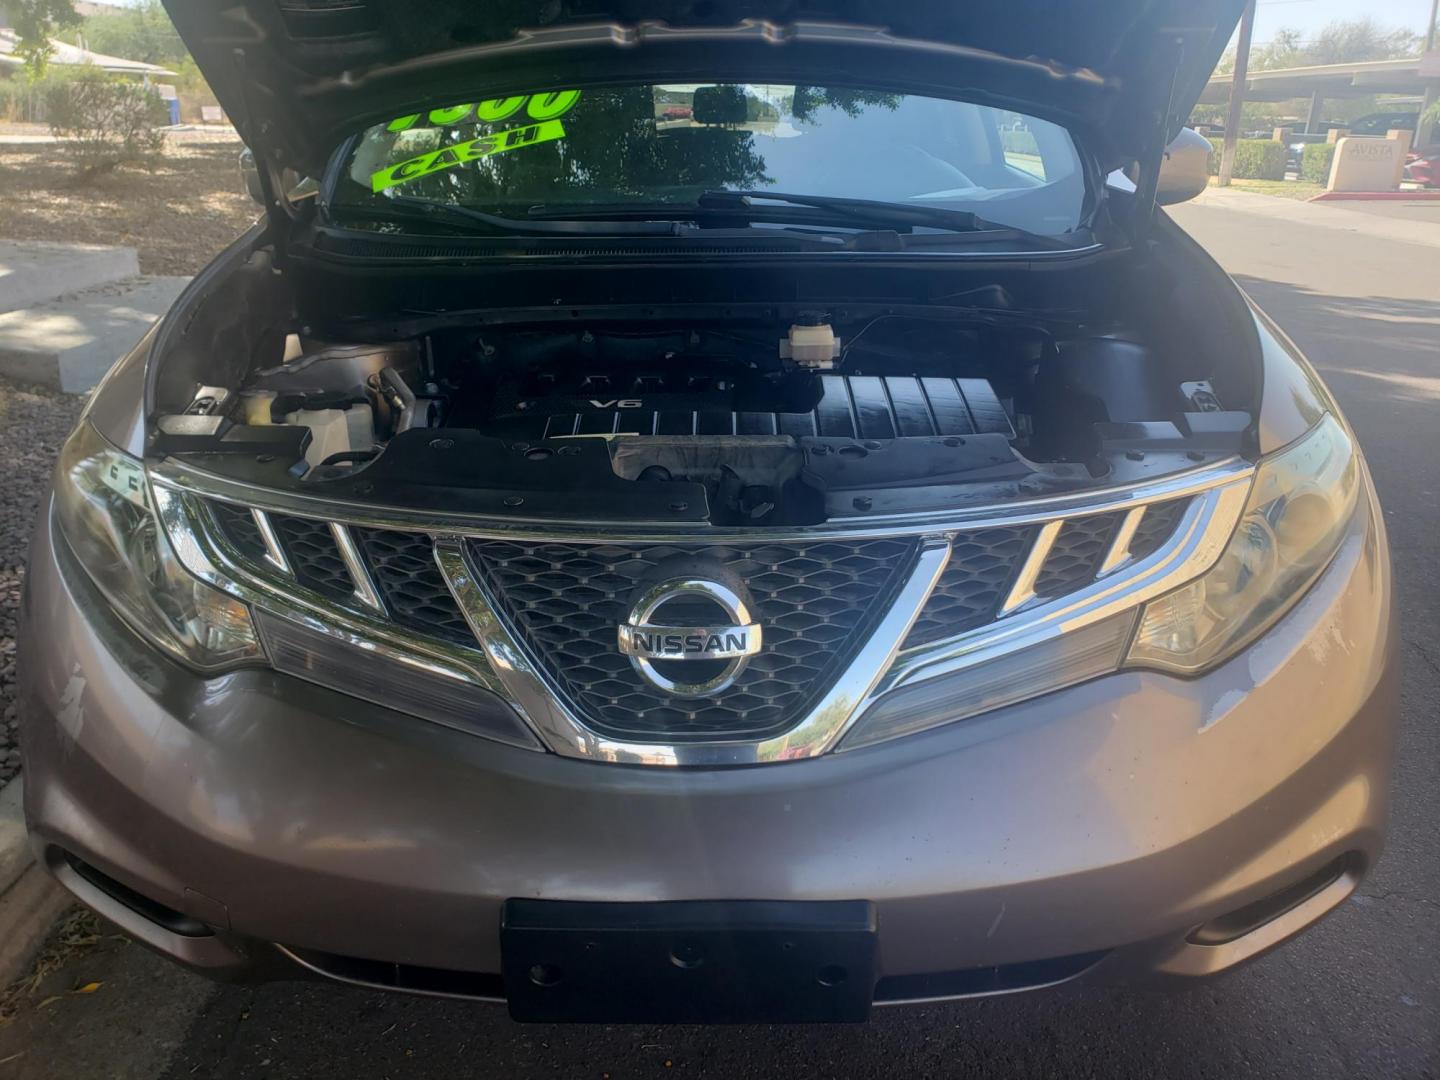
1415 76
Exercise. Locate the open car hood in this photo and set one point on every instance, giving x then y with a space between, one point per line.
298 76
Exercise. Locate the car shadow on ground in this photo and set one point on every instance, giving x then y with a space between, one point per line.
1371 349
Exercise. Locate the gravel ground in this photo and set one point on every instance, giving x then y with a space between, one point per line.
33 423
176 217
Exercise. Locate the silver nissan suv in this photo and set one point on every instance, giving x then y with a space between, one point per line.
678 515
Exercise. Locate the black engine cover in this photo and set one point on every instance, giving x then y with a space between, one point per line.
831 406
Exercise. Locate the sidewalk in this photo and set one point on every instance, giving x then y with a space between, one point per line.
1371 223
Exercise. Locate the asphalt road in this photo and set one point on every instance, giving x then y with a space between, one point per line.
1358 996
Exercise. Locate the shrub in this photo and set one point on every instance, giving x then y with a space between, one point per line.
22 99
1315 162
106 121
1255 159
1020 141
1217 147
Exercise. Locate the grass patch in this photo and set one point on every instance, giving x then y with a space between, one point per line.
1283 189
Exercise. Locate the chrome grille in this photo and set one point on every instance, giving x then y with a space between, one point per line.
549 609
402 565
984 563
816 601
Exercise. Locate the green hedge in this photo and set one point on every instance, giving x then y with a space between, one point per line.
1255 159
1315 162
1019 142
24 101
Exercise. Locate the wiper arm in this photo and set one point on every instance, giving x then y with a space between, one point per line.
874 211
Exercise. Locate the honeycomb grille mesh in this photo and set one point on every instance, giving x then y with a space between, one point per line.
982 567
817 603
238 526
314 555
403 566
1077 554
1156 527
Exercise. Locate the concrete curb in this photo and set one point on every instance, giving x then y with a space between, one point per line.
30 900
68 343
38 270
1375 196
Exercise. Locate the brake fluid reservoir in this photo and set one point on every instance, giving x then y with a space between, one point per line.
812 345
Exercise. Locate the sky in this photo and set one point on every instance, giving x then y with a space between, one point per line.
1310 15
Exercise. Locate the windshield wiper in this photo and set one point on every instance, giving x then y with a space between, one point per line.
730 206
869 210
402 208
877 212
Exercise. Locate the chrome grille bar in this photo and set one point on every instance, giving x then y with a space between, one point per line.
274 553
1119 553
365 590
1023 591
196 481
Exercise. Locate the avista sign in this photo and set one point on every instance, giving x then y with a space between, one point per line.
549 106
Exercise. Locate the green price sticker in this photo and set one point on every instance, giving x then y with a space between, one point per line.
449 157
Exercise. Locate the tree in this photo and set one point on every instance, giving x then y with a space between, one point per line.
36 22
1346 41
1342 41
1284 50
143 32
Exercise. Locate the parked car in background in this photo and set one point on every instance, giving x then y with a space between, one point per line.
1378 123
1423 168
1295 147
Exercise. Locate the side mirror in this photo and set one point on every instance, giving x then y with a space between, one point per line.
1185 171
250 175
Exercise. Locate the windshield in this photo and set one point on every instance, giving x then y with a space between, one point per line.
667 144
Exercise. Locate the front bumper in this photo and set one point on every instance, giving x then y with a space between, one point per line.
1091 831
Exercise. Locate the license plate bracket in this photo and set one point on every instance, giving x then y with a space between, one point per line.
700 961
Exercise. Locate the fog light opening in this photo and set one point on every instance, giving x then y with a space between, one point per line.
167 918
1246 920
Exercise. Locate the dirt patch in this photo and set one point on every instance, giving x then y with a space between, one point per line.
178 218
73 935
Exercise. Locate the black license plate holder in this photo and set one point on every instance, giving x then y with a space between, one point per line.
710 961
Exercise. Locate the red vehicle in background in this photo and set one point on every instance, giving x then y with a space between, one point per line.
1423 167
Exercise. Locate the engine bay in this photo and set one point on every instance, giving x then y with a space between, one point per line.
791 422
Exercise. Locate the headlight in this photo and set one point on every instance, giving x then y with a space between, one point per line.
1298 511
103 504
